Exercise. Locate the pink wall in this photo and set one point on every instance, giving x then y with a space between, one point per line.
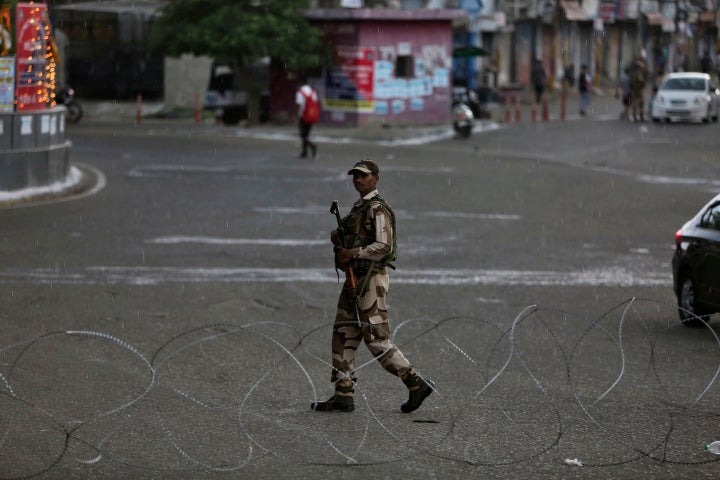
425 97
364 87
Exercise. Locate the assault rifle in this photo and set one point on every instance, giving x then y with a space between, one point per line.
349 274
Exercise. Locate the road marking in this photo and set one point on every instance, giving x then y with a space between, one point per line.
273 242
661 179
57 192
309 210
475 216
315 209
139 275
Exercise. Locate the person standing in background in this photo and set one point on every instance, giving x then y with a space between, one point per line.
584 87
622 91
569 77
639 77
538 78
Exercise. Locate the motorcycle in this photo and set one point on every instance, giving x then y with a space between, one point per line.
66 96
463 120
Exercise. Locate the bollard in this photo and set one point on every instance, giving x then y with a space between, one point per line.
517 110
138 111
533 112
545 110
197 107
563 105
507 109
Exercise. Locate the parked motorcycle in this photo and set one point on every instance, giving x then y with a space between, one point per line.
66 96
463 120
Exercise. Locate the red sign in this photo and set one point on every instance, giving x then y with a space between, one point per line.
349 86
31 88
607 11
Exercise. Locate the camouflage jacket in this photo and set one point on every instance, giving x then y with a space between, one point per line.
370 230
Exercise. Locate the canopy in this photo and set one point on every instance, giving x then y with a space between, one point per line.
469 51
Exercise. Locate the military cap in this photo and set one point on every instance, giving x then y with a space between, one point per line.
365 166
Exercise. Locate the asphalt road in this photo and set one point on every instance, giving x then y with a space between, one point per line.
176 323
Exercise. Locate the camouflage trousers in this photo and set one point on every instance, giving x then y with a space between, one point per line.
637 104
375 332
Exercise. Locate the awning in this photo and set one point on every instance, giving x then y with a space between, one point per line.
573 11
707 17
469 51
654 18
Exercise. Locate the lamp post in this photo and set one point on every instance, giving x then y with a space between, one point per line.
639 43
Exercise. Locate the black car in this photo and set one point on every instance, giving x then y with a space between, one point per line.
696 265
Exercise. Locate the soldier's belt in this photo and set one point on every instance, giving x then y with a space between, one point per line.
363 267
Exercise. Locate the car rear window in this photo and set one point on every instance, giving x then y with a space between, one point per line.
711 218
684 84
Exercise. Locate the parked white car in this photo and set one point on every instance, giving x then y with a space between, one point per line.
686 96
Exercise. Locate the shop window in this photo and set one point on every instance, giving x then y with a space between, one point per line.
404 66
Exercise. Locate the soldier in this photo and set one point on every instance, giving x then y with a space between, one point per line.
369 234
623 92
638 81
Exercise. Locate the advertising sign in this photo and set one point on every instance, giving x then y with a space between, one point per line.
7 84
349 85
31 88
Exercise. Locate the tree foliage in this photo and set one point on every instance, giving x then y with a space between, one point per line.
242 30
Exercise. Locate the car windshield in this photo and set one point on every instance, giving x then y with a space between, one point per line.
684 84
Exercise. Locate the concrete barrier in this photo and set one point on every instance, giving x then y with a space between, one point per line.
33 148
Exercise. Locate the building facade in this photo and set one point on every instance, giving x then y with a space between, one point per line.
390 66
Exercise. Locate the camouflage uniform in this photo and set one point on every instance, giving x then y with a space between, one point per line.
638 81
369 233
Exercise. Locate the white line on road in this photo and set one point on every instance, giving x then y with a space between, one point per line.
138 275
316 209
475 216
271 242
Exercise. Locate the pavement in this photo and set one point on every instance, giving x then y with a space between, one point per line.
131 356
156 118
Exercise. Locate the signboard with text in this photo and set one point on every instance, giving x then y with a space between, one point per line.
7 84
349 85
31 90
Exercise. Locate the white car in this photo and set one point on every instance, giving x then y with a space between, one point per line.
686 96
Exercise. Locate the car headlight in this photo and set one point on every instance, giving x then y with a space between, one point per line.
661 99
701 99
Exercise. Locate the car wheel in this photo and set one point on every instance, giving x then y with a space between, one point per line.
706 118
690 314
655 120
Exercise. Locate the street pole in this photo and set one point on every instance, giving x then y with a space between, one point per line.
640 27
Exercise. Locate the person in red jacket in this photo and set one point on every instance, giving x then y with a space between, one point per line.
308 113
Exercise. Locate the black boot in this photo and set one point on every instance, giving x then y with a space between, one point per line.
419 390
336 403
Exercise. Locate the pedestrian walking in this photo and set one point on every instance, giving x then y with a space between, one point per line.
538 78
622 91
308 112
639 76
585 88
368 232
